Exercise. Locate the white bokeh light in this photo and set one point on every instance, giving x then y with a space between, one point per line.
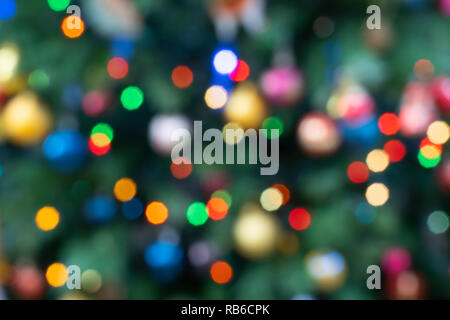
225 61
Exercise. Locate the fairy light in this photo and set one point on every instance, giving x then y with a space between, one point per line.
389 124
241 73
217 208
271 199
156 213
132 98
438 132
117 68
225 61
182 77
377 194
125 189
47 218
377 160
58 5
284 192
221 272
299 219
358 172
56 274
438 222
395 149
216 97
72 27
197 214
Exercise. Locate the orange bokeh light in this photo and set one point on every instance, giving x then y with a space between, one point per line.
217 208
182 77
156 212
221 272
72 27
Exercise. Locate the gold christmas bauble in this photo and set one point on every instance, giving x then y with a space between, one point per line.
256 232
25 120
246 107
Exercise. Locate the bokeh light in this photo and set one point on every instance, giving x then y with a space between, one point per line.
221 272
438 132
299 219
365 213
56 274
156 212
216 97
273 123
181 168
91 281
395 149
271 199
241 73
125 189
358 172
217 208
117 68
58 5
182 77
132 98
225 61
104 128
424 69
232 133
223 194
132 209
395 260
9 59
284 192
377 194
389 124
47 218
8 9
72 27
438 222
377 160
197 214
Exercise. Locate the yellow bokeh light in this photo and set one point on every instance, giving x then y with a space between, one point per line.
100 140
91 281
125 189
377 194
377 160
271 199
216 97
232 133
56 274
246 106
430 151
9 58
47 218
438 132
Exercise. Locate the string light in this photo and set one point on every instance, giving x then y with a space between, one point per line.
221 272
225 61
197 214
72 27
377 194
56 274
47 218
182 77
377 160
156 213
395 149
117 68
358 172
132 98
216 97
438 132
125 189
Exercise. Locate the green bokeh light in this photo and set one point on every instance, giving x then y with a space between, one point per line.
197 214
438 222
132 98
273 123
105 129
426 162
39 80
224 195
58 5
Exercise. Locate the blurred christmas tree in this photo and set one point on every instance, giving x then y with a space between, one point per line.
90 92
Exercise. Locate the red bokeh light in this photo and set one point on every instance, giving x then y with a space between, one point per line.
389 124
358 172
395 149
299 219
